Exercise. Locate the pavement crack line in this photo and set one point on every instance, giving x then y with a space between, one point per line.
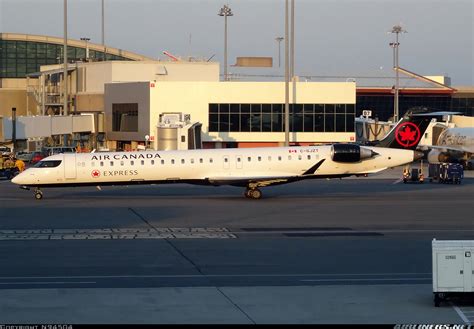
169 242
142 218
236 306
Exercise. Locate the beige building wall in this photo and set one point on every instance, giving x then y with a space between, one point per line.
12 98
91 77
194 98
89 102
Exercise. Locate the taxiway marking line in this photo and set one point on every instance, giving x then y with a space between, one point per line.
461 314
48 282
207 275
367 279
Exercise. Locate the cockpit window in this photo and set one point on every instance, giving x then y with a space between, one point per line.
48 164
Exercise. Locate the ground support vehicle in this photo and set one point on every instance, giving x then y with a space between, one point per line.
8 172
453 269
451 173
447 173
413 175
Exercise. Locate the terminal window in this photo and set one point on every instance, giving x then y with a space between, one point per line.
125 117
19 58
271 118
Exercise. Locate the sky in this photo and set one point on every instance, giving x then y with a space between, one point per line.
332 37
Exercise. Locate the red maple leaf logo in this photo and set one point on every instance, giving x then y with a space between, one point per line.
408 134
95 173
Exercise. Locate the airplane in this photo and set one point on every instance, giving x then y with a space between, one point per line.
453 145
251 168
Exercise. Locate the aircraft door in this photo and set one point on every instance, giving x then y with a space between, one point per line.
69 165
238 161
226 160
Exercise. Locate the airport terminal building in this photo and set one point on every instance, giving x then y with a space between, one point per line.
127 97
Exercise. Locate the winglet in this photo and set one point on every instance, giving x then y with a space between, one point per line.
311 170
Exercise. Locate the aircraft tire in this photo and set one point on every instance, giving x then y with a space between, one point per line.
255 194
38 195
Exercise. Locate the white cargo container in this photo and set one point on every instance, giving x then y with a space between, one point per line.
453 268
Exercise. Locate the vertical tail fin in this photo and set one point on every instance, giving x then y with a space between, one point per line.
407 132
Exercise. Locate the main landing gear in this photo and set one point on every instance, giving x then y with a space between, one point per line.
38 194
253 193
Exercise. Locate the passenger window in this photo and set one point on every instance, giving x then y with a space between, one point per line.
132 162
111 163
121 163
279 158
210 160
172 161
289 157
192 160
152 162
259 158
142 162
182 161
249 159
238 159
300 157
163 162
102 163
200 160
269 158
309 156
226 160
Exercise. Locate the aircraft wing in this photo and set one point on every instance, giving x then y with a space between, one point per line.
446 148
261 179
257 180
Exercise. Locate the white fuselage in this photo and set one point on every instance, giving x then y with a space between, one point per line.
212 166
459 138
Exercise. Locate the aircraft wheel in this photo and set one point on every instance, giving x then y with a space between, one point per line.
38 195
255 194
247 194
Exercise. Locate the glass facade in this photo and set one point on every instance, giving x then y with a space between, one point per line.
382 105
271 118
464 105
19 58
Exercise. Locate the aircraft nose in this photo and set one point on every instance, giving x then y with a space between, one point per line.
16 179
417 155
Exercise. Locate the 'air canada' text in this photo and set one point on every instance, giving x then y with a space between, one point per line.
125 156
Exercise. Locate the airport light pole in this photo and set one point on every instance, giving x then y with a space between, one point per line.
103 30
279 40
225 11
87 47
397 29
65 60
287 81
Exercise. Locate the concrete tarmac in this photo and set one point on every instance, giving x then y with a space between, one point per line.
324 251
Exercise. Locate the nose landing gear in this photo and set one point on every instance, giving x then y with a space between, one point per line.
38 194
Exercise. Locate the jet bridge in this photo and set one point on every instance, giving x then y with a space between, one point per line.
37 127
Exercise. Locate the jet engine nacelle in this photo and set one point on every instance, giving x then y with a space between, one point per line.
350 153
435 156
